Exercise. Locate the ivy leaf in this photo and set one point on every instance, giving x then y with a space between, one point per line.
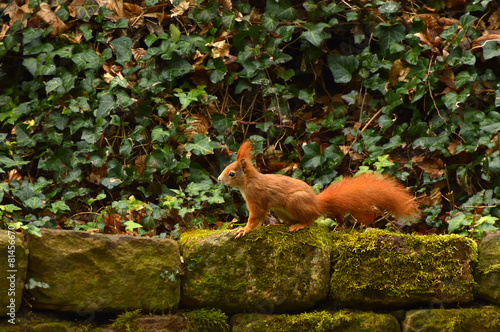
433 143
222 122
200 146
34 203
60 121
131 225
86 10
87 59
54 84
176 67
31 65
122 47
23 135
219 71
59 206
106 104
491 49
312 157
281 10
464 77
459 221
228 20
207 14
8 163
31 34
306 96
269 23
286 32
390 36
315 35
389 7
342 67
111 183
174 32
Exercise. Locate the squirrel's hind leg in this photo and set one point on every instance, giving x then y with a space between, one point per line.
302 214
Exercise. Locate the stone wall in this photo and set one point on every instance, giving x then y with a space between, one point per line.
270 279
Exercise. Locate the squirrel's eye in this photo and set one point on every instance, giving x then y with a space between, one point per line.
231 174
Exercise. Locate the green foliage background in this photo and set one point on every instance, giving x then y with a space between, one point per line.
137 113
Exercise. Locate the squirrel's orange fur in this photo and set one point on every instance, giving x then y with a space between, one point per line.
293 200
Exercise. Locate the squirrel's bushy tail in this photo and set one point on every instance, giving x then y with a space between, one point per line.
366 195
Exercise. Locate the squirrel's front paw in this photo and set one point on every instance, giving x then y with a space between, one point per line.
241 232
296 227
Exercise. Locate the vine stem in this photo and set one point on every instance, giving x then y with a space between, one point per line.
430 90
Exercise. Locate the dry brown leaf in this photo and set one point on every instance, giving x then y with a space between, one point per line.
180 8
49 17
113 224
16 13
98 173
138 53
494 20
453 146
398 72
140 164
199 59
448 78
199 125
488 35
14 175
456 5
132 9
227 4
219 48
432 166
436 198
255 16
4 30
116 6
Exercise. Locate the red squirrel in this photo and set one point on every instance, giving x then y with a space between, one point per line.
294 201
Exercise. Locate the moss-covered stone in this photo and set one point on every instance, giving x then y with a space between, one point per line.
269 270
167 323
13 267
488 268
201 320
457 320
90 272
377 269
40 326
323 321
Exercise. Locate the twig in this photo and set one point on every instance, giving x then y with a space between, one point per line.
430 91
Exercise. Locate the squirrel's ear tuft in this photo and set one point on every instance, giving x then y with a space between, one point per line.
243 164
245 151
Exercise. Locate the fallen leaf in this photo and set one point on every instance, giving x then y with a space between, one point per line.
49 17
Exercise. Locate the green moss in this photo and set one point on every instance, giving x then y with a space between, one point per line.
127 321
491 269
379 264
191 236
316 321
202 320
270 256
468 319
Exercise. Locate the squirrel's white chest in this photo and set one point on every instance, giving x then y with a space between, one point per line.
243 194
